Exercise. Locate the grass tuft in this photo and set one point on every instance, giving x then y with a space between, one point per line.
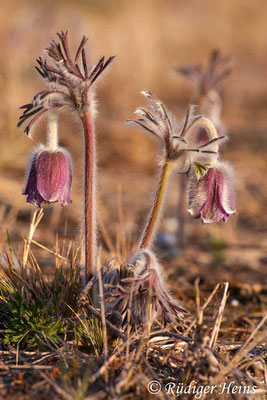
34 310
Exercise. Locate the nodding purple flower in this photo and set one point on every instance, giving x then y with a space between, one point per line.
49 178
212 197
71 84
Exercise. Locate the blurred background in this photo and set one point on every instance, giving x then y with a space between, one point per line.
149 38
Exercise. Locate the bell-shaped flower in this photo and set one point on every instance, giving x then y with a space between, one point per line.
212 197
49 177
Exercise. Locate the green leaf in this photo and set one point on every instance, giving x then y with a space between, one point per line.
201 169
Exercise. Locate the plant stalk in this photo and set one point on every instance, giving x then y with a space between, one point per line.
210 129
89 196
52 131
153 218
181 212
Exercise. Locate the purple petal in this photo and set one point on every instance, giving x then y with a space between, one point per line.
198 194
54 176
49 178
212 210
211 198
31 190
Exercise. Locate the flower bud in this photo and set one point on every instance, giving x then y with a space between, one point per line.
212 197
49 178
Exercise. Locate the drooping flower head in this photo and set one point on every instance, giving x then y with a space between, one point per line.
211 185
212 197
49 177
71 84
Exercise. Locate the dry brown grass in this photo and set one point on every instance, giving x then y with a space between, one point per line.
199 351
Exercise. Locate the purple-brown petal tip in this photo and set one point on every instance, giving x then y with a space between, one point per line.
212 197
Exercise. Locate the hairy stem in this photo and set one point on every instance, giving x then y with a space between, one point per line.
153 218
181 212
89 196
209 128
206 124
52 130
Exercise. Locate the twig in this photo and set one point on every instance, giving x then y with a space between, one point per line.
162 394
102 369
199 311
121 222
129 311
30 366
244 349
106 236
17 352
247 346
50 251
124 337
171 334
36 218
203 308
27 353
43 358
103 316
109 324
218 321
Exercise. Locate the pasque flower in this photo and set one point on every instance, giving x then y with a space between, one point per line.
212 197
207 81
181 150
71 83
139 285
50 170
49 178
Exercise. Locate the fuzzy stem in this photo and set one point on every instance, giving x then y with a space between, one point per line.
152 221
181 212
52 131
89 195
206 124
